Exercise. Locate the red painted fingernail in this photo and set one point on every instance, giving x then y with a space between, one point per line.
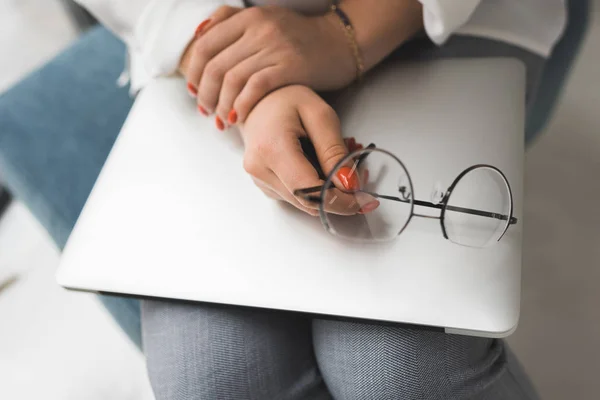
369 207
202 26
359 147
192 89
232 117
351 142
349 178
219 123
203 111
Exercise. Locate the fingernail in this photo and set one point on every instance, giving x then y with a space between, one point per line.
192 89
351 142
203 111
232 117
348 178
369 207
219 123
202 26
358 147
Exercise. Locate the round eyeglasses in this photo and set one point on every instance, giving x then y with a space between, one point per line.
369 197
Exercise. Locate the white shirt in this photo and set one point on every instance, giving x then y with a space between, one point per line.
158 31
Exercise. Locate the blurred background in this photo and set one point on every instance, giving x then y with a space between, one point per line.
56 344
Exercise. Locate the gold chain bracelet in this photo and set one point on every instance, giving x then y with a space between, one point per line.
351 36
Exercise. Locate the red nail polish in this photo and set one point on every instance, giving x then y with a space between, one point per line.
358 147
351 142
232 117
203 111
349 178
219 123
369 207
202 26
192 89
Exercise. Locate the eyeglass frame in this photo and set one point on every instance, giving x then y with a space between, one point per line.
441 205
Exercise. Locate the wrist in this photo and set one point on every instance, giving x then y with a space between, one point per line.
338 46
381 26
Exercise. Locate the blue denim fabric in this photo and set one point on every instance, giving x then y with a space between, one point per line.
56 129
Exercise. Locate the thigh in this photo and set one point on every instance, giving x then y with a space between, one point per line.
57 127
361 361
196 351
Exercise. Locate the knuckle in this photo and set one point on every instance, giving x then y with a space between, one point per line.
224 10
260 83
265 149
233 80
255 13
325 111
214 72
252 165
271 29
333 154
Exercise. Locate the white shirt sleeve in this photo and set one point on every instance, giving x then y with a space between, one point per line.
443 17
156 32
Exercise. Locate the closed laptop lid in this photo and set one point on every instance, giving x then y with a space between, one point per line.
174 215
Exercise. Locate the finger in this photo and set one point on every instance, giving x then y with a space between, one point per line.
295 172
207 46
322 126
220 15
234 82
231 68
258 86
266 189
290 198
275 184
264 177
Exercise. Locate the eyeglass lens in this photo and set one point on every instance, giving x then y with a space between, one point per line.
378 218
483 189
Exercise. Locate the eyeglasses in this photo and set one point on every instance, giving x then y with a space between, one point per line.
369 197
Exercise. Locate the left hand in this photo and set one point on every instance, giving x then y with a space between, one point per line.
235 62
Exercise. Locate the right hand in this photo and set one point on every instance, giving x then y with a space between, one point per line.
241 55
274 156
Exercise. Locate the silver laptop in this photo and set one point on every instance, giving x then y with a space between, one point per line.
174 215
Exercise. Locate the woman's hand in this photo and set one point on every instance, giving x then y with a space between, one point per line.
274 157
241 55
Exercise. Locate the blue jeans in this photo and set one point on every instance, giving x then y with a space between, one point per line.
56 130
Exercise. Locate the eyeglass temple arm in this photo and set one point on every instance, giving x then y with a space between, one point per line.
306 195
440 206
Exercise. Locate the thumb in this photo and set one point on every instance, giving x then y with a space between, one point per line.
322 126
